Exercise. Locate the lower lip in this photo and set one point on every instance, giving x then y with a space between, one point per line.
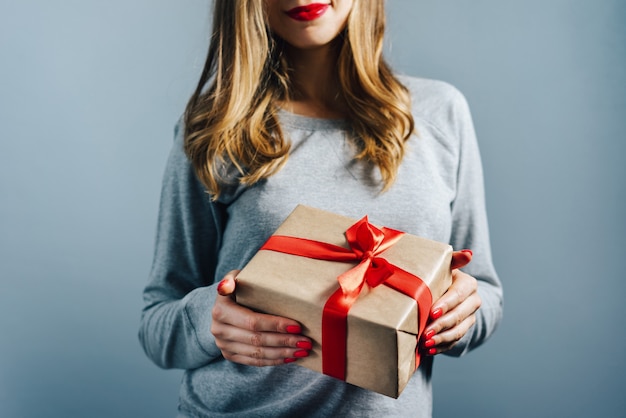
307 13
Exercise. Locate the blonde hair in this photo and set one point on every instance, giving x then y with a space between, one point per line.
234 122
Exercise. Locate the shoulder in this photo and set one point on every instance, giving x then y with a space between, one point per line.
437 103
178 162
427 93
177 152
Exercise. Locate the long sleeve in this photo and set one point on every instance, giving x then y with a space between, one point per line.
176 318
470 229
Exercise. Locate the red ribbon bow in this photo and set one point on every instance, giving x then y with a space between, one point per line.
366 242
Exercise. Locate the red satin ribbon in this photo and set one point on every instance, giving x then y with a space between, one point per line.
366 244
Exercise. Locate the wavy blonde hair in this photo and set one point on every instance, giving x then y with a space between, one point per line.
231 118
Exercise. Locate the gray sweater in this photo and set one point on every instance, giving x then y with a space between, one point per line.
438 194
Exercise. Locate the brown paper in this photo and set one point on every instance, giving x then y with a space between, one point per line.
382 324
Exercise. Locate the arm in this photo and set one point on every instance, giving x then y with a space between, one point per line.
174 330
184 323
471 310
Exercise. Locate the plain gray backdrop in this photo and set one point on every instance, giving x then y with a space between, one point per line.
90 92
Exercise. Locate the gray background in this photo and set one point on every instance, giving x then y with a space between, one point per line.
89 94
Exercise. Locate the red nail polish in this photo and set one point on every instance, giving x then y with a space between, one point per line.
290 360
294 329
467 251
432 351
304 344
301 353
429 334
436 313
429 343
220 287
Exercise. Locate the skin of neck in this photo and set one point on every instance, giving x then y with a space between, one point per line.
315 83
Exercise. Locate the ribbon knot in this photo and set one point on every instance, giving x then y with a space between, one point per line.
367 243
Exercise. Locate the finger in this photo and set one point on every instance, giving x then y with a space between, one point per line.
257 362
451 319
461 259
462 286
229 312
228 333
227 286
259 348
262 353
452 326
446 340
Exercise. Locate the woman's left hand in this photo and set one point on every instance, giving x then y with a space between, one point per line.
454 313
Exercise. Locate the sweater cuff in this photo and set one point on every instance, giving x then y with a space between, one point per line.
198 305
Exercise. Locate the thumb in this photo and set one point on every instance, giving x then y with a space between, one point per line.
227 286
460 259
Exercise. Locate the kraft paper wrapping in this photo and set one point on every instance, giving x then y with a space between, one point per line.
382 324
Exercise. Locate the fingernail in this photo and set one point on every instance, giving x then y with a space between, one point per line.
301 353
294 329
220 287
304 344
290 360
432 351
436 313
429 343
467 251
429 334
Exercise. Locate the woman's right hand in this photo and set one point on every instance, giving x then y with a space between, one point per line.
252 338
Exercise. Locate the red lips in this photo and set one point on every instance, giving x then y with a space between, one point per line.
308 12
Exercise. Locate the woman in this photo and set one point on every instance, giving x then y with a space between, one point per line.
296 106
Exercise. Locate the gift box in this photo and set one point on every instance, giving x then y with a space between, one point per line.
362 293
